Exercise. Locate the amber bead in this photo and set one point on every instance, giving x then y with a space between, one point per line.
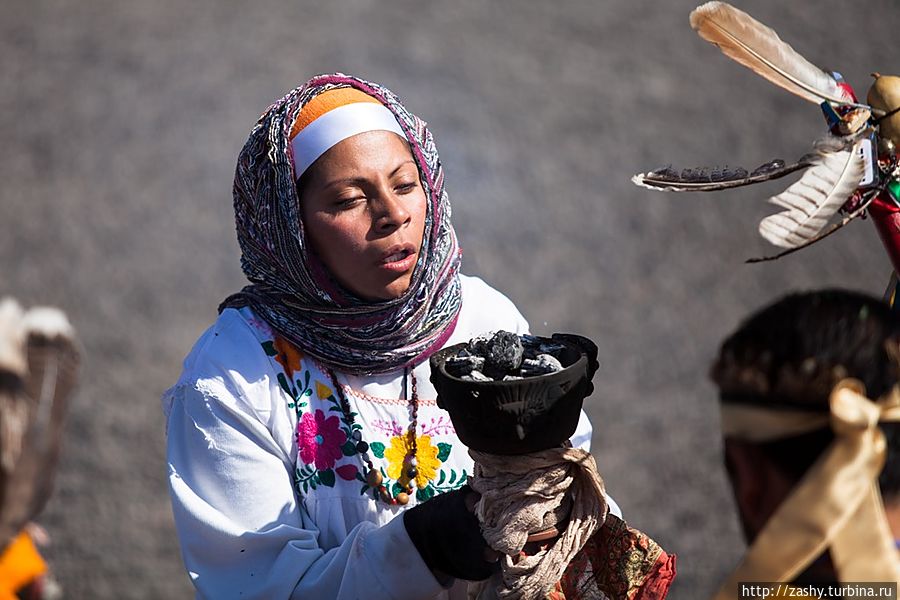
402 498
374 478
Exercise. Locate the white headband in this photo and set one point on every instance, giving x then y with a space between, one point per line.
337 125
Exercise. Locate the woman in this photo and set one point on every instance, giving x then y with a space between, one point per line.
304 421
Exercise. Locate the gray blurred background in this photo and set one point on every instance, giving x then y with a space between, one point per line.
121 122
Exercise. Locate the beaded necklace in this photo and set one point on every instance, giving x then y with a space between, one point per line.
373 475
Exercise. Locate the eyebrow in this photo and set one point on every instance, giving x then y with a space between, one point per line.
363 180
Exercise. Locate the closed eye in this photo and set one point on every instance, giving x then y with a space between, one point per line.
342 203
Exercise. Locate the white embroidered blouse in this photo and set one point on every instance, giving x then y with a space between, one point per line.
265 473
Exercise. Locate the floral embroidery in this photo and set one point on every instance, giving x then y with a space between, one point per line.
290 360
435 426
322 441
323 391
348 472
426 459
438 426
288 356
319 439
326 435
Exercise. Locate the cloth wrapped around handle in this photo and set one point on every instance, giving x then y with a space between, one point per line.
517 494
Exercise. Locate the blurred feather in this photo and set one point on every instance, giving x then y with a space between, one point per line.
749 42
38 372
814 198
12 337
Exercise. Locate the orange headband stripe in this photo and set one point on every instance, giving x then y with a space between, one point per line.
328 101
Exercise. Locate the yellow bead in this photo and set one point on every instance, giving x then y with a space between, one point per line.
402 498
374 478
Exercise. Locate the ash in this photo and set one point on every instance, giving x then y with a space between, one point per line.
505 356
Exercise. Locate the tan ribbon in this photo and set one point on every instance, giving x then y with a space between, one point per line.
757 424
836 505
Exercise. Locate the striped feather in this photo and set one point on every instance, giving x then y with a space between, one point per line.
814 198
747 41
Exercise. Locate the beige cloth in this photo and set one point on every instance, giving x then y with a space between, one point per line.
517 495
837 505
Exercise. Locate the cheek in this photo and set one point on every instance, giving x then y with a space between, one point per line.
336 241
418 211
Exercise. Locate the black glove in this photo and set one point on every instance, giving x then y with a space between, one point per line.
448 536
590 349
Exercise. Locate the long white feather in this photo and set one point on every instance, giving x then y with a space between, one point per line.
749 42
814 198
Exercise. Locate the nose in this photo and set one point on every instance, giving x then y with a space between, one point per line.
391 213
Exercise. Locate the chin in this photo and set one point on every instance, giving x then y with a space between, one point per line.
394 292
389 291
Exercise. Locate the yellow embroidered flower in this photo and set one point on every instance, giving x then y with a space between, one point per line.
426 459
322 390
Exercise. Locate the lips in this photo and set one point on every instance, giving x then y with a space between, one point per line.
399 258
398 253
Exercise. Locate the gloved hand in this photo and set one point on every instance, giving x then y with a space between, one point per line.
448 536
589 348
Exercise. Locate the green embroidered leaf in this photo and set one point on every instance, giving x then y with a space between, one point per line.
283 382
396 489
305 390
443 452
361 478
452 476
291 405
425 493
349 448
334 409
441 478
357 426
269 348
363 490
326 477
377 449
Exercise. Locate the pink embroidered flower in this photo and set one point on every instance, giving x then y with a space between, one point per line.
320 439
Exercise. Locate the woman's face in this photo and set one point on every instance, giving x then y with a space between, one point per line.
363 210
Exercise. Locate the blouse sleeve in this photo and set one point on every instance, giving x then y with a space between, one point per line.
244 535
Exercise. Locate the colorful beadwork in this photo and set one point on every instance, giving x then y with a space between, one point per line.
407 470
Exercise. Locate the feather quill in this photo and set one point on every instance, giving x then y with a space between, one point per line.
814 198
749 42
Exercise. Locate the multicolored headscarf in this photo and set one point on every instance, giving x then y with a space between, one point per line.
290 287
